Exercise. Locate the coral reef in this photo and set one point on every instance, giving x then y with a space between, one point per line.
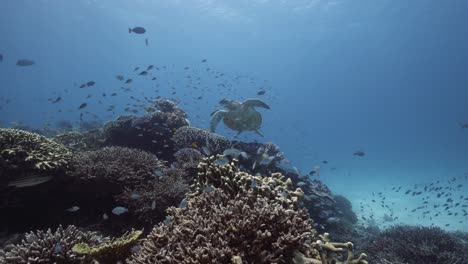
151 132
132 178
116 165
216 227
51 247
416 245
109 252
208 143
187 158
149 200
81 141
27 159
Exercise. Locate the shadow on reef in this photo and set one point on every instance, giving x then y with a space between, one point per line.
172 193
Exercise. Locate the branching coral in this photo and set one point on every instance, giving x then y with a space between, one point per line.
188 136
109 252
28 155
187 158
116 165
51 247
216 228
150 199
417 245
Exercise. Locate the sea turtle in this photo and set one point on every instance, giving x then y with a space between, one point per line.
239 116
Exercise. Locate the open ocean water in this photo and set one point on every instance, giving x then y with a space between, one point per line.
369 97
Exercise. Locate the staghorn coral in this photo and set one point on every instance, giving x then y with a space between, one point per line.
28 155
232 181
116 165
188 136
114 251
217 227
51 247
416 245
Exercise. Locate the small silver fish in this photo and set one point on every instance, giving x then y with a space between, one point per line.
119 210
135 196
105 216
153 205
73 209
206 150
300 184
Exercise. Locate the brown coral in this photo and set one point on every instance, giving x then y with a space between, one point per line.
51 247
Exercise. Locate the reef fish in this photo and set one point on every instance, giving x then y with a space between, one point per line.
137 30
24 62
359 153
73 209
29 181
119 210
1 57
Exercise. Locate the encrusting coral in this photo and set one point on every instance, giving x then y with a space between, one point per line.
51 247
110 252
27 159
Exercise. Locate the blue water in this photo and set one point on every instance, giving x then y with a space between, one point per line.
387 77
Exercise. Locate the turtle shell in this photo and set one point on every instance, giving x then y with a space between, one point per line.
243 119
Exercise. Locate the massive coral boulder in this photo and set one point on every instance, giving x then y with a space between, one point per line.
151 132
28 159
51 247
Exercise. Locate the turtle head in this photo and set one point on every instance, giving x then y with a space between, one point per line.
230 104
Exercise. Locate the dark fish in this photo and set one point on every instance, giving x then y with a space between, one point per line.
137 30
113 94
146 42
143 73
83 85
128 81
24 62
136 69
464 125
262 92
90 83
199 97
83 105
325 162
154 78
359 153
57 100
1 57
186 68
119 77
150 67
204 60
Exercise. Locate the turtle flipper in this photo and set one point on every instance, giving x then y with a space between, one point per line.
251 102
215 118
258 132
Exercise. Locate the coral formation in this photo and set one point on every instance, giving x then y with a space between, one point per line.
416 245
81 141
151 132
187 158
51 247
109 252
193 137
216 227
27 158
116 165
134 178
